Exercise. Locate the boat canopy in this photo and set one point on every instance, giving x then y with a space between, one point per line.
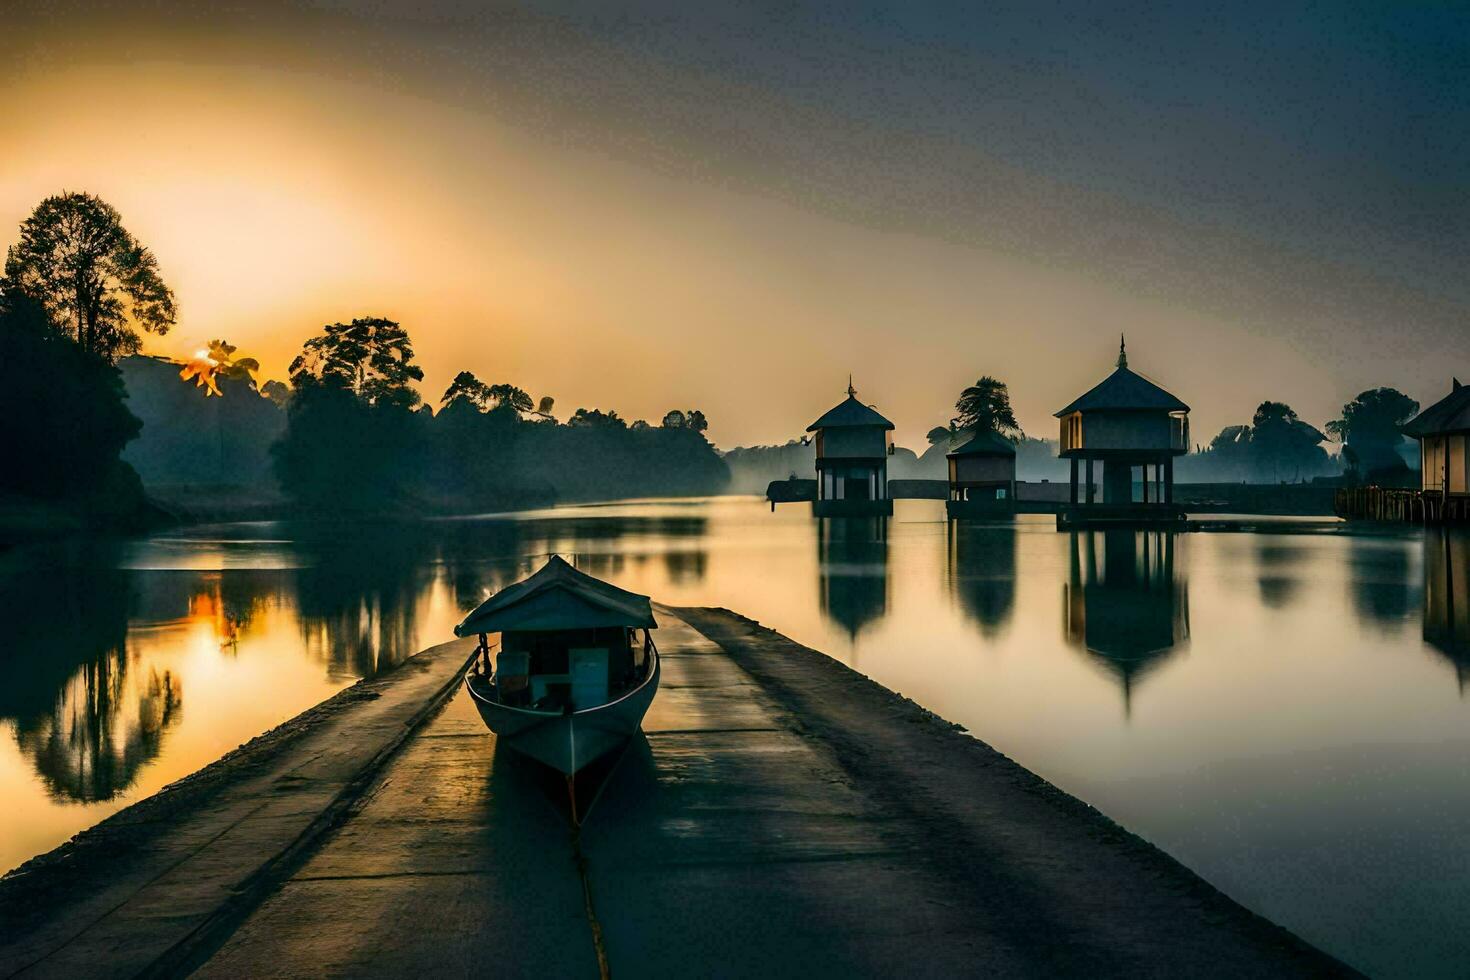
558 597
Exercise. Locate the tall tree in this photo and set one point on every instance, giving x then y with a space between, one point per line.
986 405
1282 445
93 279
372 357
353 441
509 397
1371 427
467 389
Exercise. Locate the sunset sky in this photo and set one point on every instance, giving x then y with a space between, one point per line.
733 209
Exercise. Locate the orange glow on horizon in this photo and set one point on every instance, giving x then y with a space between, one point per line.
573 274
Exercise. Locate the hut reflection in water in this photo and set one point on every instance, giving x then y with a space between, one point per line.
1126 603
1447 598
982 572
852 570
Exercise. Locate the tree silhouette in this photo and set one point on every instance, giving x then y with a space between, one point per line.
986 406
92 278
353 441
595 419
693 420
1371 427
468 389
1282 444
509 397
371 357
65 419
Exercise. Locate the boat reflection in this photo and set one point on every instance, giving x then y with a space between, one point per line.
852 571
1126 603
982 572
1447 598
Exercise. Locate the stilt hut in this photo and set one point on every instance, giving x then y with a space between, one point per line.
1443 431
982 477
1131 429
853 443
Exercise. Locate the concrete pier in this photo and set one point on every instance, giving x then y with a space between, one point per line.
781 816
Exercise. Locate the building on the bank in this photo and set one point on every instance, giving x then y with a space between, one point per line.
1131 429
982 476
1443 431
853 445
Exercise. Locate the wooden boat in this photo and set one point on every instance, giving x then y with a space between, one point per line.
572 679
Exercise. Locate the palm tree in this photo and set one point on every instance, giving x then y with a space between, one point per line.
986 405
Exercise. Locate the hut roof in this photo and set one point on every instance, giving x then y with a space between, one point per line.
558 597
986 443
850 413
1125 390
1450 414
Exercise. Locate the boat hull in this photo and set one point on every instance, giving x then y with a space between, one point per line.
568 742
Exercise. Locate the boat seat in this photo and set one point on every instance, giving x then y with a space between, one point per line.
512 675
589 669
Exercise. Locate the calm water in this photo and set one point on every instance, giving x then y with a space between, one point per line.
1286 713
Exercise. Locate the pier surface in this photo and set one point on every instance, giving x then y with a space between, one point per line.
781 816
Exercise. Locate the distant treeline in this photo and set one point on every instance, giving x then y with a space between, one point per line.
360 447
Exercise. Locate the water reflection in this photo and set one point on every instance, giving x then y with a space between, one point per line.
83 711
982 572
1280 564
1126 603
358 594
1447 598
852 570
1382 580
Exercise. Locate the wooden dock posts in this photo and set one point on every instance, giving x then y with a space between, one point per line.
1401 506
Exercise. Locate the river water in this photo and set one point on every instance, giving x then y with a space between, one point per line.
1284 712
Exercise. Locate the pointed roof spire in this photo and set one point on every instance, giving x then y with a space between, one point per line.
1456 384
851 391
1122 351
